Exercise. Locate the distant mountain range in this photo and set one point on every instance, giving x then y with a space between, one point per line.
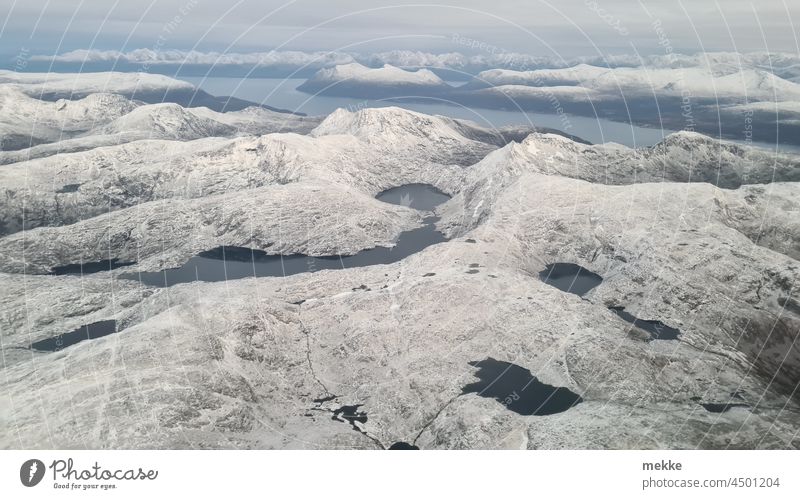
713 96
453 65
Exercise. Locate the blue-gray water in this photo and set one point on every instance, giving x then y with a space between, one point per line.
281 93
231 262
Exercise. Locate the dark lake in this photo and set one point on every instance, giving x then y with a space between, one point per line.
87 332
721 407
90 267
657 329
423 197
350 414
233 262
519 390
69 188
403 446
570 278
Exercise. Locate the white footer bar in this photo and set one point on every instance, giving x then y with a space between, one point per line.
428 474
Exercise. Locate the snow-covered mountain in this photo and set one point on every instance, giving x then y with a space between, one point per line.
570 76
32 127
373 148
403 131
145 87
26 121
603 83
51 86
168 121
354 78
681 157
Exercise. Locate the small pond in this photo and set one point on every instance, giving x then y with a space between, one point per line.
423 197
570 278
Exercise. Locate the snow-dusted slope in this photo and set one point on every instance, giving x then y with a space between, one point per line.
700 82
373 149
150 88
256 120
401 131
386 75
681 157
570 76
167 121
26 121
35 128
72 85
47 113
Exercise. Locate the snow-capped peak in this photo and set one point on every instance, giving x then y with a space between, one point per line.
386 75
370 122
73 84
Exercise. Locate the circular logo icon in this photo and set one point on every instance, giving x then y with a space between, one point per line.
31 472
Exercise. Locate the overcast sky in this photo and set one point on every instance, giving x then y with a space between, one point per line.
564 28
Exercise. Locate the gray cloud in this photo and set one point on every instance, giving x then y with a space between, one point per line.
549 28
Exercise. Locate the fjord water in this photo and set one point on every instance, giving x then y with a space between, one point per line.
230 262
282 93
